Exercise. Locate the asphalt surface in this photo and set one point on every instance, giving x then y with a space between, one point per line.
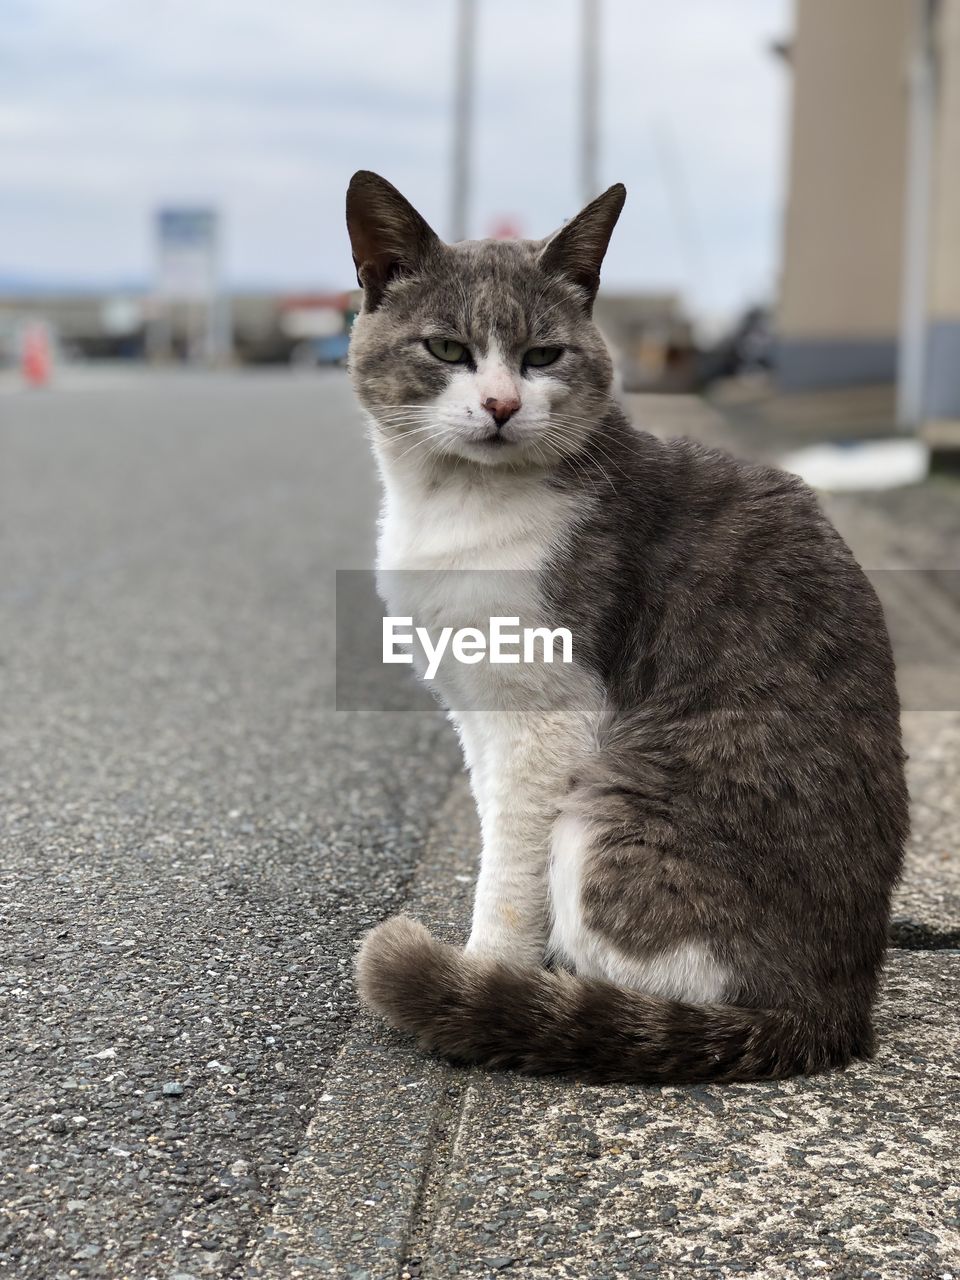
191 837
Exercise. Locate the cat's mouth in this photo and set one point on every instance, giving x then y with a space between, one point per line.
494 446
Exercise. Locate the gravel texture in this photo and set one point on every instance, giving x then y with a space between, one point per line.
852 1175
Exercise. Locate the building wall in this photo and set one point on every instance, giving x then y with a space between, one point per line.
942 381
840 289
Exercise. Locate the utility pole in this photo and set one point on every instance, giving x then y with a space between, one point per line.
462 119
589 97
922 93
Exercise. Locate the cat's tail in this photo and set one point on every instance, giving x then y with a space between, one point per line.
471 1009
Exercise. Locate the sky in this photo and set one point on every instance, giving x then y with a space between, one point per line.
109 108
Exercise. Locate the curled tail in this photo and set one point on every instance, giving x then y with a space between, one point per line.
471 1009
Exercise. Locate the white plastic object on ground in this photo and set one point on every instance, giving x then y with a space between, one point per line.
860 464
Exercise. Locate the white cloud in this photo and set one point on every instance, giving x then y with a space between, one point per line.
112 107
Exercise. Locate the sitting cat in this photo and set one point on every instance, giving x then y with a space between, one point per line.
689 848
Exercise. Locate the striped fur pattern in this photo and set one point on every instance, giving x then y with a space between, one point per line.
471 1009
691 835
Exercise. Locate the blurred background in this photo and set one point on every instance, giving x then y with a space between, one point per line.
152 164
172 180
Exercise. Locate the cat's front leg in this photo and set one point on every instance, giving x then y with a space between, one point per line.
510 908
520 768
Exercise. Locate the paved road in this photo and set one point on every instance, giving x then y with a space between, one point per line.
190 836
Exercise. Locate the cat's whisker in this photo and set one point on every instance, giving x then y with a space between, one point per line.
591 442
576 458
569 458
428 440
423 438
410 426
404 419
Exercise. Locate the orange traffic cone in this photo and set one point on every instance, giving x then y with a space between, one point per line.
36 362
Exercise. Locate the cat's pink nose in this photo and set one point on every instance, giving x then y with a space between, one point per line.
501 410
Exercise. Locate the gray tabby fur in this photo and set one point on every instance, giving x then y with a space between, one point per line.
739 800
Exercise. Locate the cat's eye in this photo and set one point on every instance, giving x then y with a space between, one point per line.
447 350
540 357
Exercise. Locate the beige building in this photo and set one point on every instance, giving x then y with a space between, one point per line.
870 287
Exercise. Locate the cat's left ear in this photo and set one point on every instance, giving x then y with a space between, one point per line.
577 249
387 234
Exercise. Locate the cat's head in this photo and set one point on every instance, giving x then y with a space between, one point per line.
484 350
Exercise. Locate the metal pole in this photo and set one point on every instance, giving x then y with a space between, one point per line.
922 89
211 337
589 97
462 119
158 339
219 336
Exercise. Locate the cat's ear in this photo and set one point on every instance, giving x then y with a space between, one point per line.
577 249
387 234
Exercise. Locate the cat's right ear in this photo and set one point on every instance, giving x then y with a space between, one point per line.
387 234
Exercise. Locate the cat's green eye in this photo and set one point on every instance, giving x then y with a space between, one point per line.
447 350
540 357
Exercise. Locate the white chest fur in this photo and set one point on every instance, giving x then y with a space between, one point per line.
459 555
485 520
470 549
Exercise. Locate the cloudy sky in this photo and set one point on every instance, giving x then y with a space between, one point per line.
265 107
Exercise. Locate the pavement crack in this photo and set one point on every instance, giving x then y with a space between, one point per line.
438 1157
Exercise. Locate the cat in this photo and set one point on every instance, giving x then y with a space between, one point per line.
688 848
